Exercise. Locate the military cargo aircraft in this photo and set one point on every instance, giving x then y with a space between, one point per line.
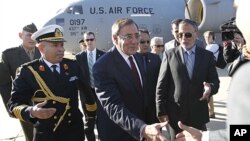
155 15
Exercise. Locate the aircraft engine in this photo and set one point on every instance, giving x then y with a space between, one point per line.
209 14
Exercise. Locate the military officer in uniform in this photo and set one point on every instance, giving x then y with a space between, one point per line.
13 58
52 84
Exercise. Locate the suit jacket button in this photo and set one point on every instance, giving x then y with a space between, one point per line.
69 114
69 121
55 117
54 102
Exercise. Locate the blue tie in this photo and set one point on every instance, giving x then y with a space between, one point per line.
90 65
189 64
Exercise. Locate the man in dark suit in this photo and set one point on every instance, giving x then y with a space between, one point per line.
13 58
187 79
119 84
151 65
52 84
86 64
238 97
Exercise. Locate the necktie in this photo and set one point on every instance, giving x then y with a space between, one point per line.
189 64
30 54
135 74
55 72
90 65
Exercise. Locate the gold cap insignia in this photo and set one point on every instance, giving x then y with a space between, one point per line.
58 33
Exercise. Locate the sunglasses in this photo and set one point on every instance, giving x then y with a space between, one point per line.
143 42
90 40
186 35
158 46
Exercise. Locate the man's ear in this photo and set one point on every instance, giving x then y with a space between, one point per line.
114 39
40 47
20 34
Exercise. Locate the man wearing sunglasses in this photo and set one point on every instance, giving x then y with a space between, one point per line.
157 46
86 60
151 65
187 79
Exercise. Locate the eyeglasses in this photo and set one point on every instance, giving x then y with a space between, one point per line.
143 42
158 46
89 40
186 35
129 37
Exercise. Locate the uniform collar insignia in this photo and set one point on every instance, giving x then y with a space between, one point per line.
41 68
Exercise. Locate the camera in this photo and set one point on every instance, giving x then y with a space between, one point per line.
228 29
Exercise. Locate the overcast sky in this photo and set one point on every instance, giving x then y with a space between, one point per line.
15 14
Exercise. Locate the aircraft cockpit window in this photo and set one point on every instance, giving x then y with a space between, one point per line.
75 9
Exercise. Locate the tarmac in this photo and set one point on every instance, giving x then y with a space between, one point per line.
10 128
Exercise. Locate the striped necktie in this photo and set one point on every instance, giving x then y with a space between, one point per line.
189 64
90 65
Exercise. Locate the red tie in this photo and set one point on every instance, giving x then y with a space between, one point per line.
135 74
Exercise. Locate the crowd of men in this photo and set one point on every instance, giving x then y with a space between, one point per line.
128 93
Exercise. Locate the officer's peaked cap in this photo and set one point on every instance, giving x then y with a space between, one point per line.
30 28
52 33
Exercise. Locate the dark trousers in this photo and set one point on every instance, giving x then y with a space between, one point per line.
89 123
27 130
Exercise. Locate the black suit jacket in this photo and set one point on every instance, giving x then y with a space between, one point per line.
123 107
177 95
153 63
83 61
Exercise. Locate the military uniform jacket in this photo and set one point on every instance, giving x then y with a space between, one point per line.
64 97
12 58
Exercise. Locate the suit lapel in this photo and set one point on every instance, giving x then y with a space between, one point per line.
84 64
179 54
139 62
180 57
98 54
124 69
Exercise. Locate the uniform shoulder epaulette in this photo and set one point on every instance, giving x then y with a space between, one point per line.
10 49
31 63
68 59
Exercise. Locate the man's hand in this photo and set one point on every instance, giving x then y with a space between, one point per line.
153 132
189 133
42 113
163 118
207 91
246 53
